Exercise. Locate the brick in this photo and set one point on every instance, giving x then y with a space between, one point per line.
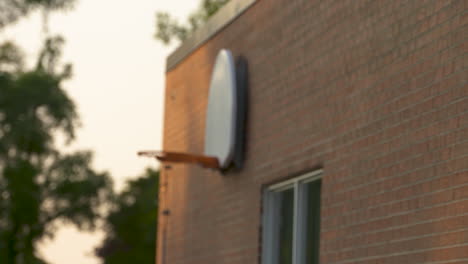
374 92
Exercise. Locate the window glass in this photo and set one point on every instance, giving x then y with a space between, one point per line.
292 221
286 218
313 222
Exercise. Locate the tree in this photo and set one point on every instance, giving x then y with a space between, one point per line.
131 224
167 28
40 186
12 10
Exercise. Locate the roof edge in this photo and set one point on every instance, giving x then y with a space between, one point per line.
217 22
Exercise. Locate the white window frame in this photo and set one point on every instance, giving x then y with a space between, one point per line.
270 203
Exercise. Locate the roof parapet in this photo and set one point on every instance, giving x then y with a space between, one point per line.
217 22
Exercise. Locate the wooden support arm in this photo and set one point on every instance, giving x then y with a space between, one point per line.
164 156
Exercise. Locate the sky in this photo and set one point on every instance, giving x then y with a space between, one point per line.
118 87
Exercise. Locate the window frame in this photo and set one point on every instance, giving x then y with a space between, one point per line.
270 217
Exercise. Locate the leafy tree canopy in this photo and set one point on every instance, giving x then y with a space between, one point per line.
12 10
168 28
131 224
39 185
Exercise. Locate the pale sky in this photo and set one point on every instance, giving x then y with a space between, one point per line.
118 86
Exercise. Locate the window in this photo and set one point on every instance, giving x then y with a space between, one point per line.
291 221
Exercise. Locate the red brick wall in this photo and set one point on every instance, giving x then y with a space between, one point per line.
374 92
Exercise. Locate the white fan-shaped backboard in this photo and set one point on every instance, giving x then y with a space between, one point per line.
221 112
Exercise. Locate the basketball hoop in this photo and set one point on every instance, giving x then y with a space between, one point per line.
225 117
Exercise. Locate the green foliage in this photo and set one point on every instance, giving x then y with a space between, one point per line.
11 58
12 10
131 225
167 28
38 185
